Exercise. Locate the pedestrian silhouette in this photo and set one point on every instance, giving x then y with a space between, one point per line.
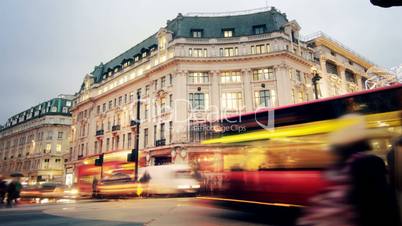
358 193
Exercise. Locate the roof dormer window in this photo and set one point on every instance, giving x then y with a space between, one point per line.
227 33
197 33
259 29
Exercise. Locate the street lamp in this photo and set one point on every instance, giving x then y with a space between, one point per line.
315 79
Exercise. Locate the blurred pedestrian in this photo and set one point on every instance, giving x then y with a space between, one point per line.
358 193
13 191
95 188
393 167
3 189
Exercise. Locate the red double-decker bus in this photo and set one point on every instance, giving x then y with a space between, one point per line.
282 166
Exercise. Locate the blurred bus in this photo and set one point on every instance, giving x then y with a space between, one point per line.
283 166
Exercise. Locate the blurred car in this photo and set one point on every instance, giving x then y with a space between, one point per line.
117 185
168 179
49 190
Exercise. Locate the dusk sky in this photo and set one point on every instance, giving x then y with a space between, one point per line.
47 46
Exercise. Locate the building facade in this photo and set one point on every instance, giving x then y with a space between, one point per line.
194 69
34 142
343 70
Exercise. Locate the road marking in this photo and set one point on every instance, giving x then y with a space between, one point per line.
250 202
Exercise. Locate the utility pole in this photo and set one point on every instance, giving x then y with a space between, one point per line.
137 134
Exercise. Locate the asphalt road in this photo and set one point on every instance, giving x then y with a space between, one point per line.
155 212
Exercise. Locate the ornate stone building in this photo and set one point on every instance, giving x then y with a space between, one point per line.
35 142
197 68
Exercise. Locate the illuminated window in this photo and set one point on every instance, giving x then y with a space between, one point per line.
145 138
232 101
58 147
228 33
198 78
163 104
262 98
48 147
263 74
260 49
229 52
230 77
197 101
197 33
198 52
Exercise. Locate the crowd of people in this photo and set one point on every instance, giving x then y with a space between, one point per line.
10 191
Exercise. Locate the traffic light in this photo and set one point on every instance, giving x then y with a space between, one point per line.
386 3
99 161
133 156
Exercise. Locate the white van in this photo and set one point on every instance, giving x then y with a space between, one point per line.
168 179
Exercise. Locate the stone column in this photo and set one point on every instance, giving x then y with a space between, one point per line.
359 81
283 84
324 83
180 107
341 71
247 89
214 95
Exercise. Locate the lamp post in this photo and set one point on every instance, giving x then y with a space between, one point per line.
315 79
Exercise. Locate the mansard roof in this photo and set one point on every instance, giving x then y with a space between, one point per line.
211 27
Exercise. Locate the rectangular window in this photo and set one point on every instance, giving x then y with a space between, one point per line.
163 104
162 131
198 78
230 77
170 79
110 104
260 49
221 52
155 85
48 147
170 131
298 76
163 80
146 112
171 100
104 107
107 144
120 100
131 98
259 29
229 52
98 109
129 140
227 33
263 74
236 51
262 98
145 138
155 128
58 147
147 90
232 101
198 52
196 33
125 98
60 135
197 101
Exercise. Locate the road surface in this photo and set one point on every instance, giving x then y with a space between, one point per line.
154 212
